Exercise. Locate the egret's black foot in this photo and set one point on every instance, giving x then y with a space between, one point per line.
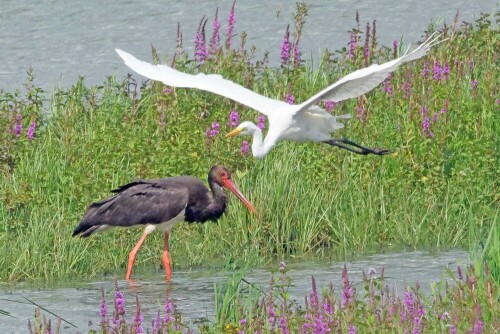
351 146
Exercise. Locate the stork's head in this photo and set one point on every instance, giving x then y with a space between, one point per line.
222 176
245 128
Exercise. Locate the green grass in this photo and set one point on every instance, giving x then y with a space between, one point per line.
432 193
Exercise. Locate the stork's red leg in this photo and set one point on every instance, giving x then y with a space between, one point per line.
166 258
133 253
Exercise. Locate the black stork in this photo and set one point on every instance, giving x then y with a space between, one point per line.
161 203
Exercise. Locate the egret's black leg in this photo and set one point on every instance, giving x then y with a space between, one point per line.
351 146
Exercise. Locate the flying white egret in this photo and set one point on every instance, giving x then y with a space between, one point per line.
302 122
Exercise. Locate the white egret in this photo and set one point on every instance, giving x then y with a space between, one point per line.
301 122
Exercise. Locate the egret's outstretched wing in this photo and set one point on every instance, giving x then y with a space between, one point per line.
364 80
213 83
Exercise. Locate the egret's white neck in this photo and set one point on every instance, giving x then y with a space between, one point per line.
260 147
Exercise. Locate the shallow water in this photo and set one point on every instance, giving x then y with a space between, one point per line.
193 291
62 40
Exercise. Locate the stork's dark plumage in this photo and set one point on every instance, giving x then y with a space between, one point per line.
160 203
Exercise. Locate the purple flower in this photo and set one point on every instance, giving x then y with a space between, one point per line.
271 315
408 300
289 98
407 89
215 40
169 311
156 323
234 118
435 118
261 122
478 327
244 147
329 104
230 26
347 291
282 266
387 86
352 329
443 111
119 303
19 126
296 53
471 65
283 324
453 329
352 45
313 295
167 90
425 71
437 71
473 84
372 271
366 48
446 70
213 131
423 111
200 48
286 47
426 127
360 110
243 321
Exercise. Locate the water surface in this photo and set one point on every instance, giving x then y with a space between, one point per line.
193 291
62 40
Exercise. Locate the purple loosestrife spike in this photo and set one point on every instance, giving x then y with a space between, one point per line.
215 40
296 54
478 327
352 329
313 295
286 47
352 45
435 118
243 321
329 105
407 89
372 271
156 323
387 86
395 49
244 148
200 53
425 71
169 312
213 131
289 98
19 126
366 49
471 65
453 329
437 71
138 319
408 299
282 266
234 118
230 27
473 84
261 122
31 131
283 324
167 90
446 70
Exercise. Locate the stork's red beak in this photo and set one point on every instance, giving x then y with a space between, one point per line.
229 184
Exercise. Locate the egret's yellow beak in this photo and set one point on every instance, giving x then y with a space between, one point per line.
233 133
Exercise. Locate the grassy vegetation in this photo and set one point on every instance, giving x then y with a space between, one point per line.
470 304
438 190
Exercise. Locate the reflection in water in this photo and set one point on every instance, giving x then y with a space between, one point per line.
193 291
